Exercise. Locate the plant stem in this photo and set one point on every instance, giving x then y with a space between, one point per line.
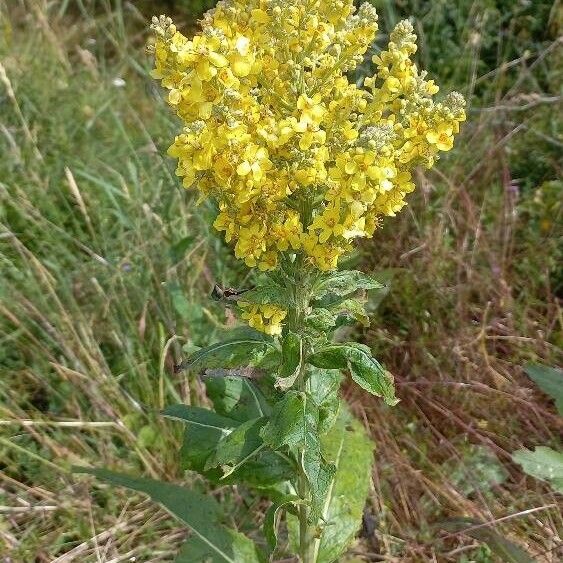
306 532
306 538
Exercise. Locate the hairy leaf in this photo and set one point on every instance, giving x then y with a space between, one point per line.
351 451
238 446
204 430
543 463
203 435
324 386
364 369
270 520
320 475
292 354
337 313
344 282
201 513
268 294
549 380
505 549
291 419
321 319
354 308
265 471
295 423
244 350
237 398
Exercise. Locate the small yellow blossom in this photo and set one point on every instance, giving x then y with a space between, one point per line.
329 223
265 318
441 136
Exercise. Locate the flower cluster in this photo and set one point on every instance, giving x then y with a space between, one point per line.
266 318
297 156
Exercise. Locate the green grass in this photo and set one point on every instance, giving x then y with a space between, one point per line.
106 265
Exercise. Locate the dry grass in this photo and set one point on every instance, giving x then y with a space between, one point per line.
474 296
105 267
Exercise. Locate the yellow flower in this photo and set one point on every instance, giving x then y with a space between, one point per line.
288 234
255 162
328 223
251 244
265 318
241 59
323 256
202 54
299 158
442 136
311 136
312 110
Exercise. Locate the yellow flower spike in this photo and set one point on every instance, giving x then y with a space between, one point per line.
299 158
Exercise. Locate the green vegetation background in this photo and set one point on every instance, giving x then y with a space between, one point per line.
106 266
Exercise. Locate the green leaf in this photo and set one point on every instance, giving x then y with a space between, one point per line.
268 294
201 513
204 431
237 398
354 308
238 446
351 451
199 416
291 420
549 380
505 549
321 319
270 520
195 551
295 423
543 463
320 475
364 369
337 313
270 361
324 386
239 351
343 283
292 355
198 444
264 471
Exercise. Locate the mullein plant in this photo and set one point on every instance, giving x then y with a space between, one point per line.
300 161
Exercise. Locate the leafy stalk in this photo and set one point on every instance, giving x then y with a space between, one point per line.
296 319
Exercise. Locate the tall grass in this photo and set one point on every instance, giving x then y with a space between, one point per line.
106 265
475 289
